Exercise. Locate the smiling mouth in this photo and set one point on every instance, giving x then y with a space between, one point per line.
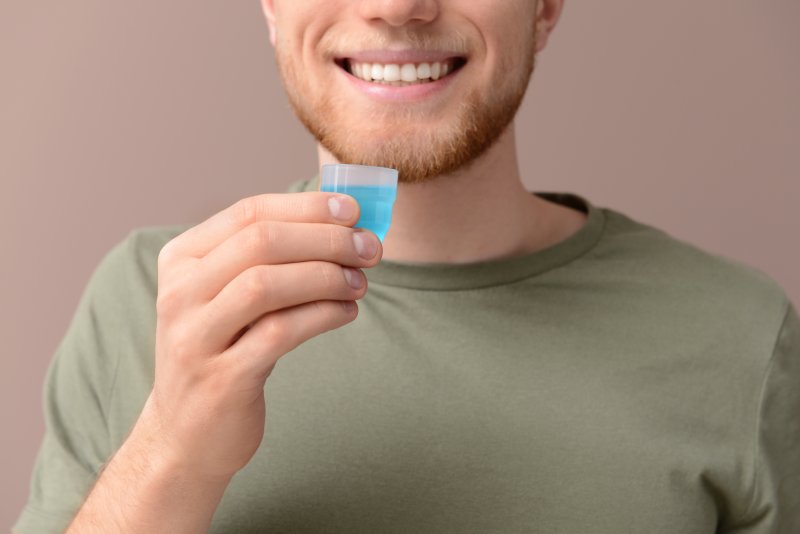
400 75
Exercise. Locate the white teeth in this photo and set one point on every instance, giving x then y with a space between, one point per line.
391 73
423 71
406 73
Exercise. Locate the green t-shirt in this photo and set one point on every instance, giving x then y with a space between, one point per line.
619 381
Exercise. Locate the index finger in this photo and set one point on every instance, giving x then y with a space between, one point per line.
307 206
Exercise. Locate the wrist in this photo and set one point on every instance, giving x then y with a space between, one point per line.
142 490
151 445
148 488
157 462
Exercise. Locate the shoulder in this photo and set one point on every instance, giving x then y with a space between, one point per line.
730 330
700 275
693 293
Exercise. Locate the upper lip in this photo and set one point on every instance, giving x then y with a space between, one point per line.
399 56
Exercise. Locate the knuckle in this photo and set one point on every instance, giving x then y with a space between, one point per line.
332 276
329 311
168 301
259 237
245 211
333 311
298 206
166 254
256 285
338 242
321 311
182 350
333 314
277 332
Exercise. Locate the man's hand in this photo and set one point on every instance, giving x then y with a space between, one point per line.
235 293
269 269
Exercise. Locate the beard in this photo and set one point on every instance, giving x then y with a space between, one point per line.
399 138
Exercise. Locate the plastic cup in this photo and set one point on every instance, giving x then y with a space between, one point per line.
374 188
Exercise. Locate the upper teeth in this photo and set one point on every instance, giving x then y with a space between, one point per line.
407 72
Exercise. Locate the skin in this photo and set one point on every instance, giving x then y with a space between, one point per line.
243 288
447 172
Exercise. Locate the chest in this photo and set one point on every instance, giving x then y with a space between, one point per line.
465 437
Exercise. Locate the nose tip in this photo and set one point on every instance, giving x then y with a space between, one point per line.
399 12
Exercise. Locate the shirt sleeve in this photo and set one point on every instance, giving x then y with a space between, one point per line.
77 386
775 503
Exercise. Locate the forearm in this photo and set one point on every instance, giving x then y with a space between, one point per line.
142 490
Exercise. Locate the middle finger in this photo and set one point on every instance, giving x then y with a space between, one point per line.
276 242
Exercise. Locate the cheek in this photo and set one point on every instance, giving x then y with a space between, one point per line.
301 70
296 27
307 22
506 28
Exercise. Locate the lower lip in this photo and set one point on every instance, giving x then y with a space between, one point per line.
408 93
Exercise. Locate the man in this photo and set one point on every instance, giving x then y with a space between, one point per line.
520 363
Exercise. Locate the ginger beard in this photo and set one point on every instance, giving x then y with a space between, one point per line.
399 137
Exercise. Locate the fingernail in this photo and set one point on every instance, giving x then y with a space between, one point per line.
366 244
348 305
354 278
342 208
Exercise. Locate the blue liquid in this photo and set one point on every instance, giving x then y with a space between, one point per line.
375 203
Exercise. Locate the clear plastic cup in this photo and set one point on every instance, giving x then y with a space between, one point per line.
374 188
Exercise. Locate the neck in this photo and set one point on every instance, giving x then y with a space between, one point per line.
479 213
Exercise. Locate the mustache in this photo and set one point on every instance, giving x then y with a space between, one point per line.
335 45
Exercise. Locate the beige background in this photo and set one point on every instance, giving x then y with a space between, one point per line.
113 115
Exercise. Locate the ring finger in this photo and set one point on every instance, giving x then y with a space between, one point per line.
265 288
